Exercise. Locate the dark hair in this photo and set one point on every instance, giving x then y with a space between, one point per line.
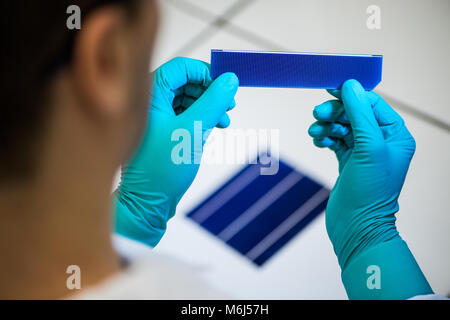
35 42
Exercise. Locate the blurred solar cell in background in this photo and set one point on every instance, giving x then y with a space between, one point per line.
257 215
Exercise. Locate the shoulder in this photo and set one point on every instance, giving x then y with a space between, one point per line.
152 276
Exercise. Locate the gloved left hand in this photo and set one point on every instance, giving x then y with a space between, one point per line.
185 105
374 149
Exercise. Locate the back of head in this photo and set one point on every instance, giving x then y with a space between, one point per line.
35 42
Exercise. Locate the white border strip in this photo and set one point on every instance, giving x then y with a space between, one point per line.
259 206
226 194
288 224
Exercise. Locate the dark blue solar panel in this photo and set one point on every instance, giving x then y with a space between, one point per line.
258 214
297 70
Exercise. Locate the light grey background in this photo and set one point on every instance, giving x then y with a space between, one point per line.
414 39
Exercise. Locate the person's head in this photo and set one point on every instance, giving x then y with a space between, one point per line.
72 94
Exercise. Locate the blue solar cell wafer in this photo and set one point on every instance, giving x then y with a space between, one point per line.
297 70
257 215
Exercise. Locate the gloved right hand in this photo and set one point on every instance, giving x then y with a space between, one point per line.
374 149
185 105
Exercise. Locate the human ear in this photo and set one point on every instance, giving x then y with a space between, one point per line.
99 64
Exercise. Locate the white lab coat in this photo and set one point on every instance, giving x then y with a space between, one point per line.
155 276
151 276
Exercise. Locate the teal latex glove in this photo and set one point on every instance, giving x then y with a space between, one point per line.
185 105
374 149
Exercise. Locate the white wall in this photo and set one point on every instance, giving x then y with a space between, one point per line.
414 41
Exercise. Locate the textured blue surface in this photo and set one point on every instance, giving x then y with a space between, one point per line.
258 214
297 70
